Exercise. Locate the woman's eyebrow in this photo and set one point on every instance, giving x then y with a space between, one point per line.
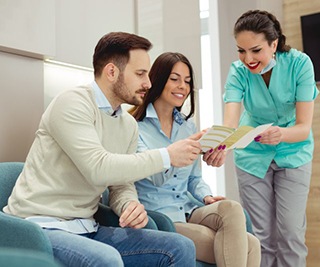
252 48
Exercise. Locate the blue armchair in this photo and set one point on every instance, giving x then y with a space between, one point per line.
23 243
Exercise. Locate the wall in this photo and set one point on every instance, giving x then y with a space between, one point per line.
26 37
21 104
292 10
27 27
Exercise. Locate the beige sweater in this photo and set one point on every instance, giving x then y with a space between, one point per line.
78 151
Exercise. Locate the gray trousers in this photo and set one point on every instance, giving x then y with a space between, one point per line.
277 206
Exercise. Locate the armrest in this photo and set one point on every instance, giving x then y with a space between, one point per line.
248 222
17 257
105 216
19 233
162 221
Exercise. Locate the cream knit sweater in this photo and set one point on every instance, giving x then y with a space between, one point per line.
78 151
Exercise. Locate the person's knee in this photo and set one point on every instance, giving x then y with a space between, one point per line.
232 210
186 246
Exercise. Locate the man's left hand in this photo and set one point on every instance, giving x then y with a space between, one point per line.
134 216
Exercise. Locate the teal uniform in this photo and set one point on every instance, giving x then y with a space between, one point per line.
292 81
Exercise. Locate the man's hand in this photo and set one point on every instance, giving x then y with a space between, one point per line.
134 216
210 199
184 152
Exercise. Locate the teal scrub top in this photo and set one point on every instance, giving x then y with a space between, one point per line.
292 81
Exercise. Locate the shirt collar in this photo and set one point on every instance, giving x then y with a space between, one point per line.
151 113
103 103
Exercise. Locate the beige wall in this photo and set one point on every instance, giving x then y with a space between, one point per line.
292 10
21 104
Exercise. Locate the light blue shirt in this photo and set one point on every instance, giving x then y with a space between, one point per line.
292 81
166 192
103 103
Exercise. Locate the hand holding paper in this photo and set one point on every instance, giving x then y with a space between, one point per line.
232 138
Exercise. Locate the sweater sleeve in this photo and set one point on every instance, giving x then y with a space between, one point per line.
71 123
121 195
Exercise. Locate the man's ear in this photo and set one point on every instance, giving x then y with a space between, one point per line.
111 72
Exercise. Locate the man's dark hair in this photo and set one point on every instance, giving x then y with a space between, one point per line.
115 47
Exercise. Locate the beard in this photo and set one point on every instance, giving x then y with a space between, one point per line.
123 93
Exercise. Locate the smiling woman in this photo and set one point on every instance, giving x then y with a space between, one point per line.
276 84
214 226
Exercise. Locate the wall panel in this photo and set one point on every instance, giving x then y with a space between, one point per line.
293 9
27 27
21 104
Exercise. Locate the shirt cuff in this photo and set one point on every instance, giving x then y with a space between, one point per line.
165 158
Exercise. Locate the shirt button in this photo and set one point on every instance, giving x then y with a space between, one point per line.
173 189
177 196
180 208
175 176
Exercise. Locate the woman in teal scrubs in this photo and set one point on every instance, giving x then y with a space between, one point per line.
276 85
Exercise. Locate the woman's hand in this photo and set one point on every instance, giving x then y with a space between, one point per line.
210 199
215 157
271 136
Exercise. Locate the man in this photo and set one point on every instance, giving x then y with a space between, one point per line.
85 143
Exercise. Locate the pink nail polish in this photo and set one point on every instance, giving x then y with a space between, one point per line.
210 151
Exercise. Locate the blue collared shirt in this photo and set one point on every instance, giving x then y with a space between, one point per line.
166 192
103 103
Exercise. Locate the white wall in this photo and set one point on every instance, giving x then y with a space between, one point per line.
27 27
81 23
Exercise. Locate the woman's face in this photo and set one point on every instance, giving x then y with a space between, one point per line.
177 87
254 50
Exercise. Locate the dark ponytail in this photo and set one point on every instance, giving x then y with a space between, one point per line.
264 22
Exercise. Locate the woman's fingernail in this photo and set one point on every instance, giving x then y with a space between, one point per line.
210 151
224 146
219 148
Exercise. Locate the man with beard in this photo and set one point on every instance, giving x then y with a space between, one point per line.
86 143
